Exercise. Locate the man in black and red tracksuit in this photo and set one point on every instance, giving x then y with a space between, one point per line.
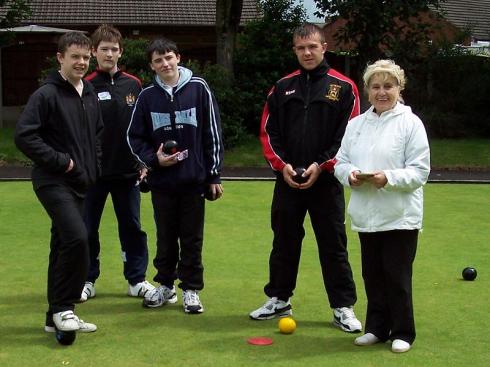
117 92
302 126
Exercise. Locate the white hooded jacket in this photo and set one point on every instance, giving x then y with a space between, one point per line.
396 143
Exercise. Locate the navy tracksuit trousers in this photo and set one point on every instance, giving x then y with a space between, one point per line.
126 200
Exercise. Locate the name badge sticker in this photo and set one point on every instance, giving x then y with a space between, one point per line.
104 96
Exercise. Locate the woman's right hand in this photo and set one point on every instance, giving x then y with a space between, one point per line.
353 180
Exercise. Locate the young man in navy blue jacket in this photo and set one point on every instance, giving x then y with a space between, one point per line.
59 130
178 107
117 92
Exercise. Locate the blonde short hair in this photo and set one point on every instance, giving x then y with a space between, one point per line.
385 68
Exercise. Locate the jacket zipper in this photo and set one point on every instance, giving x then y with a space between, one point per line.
305 119
84 128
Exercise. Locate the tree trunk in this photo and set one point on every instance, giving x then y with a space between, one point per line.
228 14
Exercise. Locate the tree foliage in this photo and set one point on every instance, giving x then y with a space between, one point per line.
264 54
437 73
14 12
134 59
382 28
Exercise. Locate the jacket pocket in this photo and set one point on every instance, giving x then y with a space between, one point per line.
192 170
77 176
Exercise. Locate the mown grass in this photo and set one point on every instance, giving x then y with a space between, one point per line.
463 153
451 314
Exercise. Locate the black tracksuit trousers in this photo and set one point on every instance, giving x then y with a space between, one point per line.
324 202
387 259
68 258
179 219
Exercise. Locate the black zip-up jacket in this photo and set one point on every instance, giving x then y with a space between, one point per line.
305 118
57 125
117 96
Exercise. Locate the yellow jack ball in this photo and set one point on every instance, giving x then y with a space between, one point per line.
287 325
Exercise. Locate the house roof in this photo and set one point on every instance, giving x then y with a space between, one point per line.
129 12
36 29
469 14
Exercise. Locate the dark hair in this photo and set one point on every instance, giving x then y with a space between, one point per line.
161 46
107 33
73 38
306 30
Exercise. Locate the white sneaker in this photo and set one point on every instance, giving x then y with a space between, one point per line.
366 339
344 318
88 291
159 296
68 321
400 346
192 303
274 307
140 289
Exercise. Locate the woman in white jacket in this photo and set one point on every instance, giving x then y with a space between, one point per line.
385 159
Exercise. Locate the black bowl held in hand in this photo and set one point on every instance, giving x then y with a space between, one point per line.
143 184
299 175
209 195
170 147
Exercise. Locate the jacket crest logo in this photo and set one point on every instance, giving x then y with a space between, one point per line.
333 92
289 92
130 99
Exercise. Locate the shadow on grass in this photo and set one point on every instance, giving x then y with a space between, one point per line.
20 337
218 329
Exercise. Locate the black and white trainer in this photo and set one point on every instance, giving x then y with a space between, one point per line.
140 289
159 296
344 318
274 307
192 303
67 321
88 291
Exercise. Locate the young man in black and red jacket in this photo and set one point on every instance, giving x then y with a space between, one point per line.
117 92
302 126
59 130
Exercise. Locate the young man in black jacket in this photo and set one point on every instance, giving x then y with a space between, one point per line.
302 126
59 130
117 92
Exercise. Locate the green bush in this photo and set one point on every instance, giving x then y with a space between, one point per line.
264 55
134 60
229 98
450 93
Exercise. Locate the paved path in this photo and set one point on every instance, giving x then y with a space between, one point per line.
9 173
